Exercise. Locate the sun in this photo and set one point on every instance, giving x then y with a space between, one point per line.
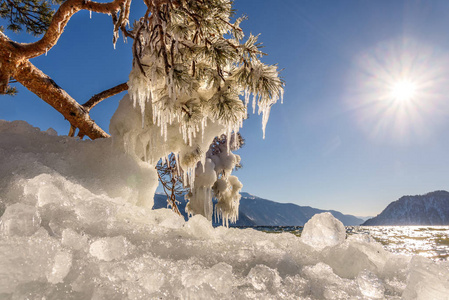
403 90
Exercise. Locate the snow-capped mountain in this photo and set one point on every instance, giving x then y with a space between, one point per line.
255 211
428 209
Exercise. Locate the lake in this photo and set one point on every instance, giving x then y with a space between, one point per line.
428 241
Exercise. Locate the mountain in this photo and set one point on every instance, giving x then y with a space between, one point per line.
428 209
264 212
255 211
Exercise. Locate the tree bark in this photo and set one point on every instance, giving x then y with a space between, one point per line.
103 95
60 20
45 88
14 63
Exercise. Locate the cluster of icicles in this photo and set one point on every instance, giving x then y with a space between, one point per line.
178 113
199 130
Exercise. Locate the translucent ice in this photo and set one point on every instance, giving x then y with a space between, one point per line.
20 219
72 240
264 278
61 267
110 248
92 238
323 230
370 285
427 280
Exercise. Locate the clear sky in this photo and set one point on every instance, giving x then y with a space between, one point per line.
366 109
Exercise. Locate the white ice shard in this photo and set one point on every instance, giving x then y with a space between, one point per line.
20 219
323 230
110 248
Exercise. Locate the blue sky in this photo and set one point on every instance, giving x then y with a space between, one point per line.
339 141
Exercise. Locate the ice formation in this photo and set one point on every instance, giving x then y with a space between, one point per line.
191 67
207 174
323 230
71 229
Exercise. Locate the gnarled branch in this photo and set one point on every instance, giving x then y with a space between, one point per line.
45 88
103 95
60 20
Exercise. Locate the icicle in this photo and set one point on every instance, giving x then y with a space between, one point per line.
46 51
228 135
165 135
254 103
235 139
247 94
90 14
203 125
265 116
178 167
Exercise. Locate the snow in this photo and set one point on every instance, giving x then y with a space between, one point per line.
75 224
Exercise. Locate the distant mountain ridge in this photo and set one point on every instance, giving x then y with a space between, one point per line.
429 209
256 211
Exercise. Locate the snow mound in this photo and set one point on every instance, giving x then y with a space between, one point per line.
323 230
71 228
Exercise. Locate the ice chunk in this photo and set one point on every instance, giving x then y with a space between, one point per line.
169 219
348 260
61 267
50 131
73 240
26 259
323 230
199 227
219 277
110 248
370 285
20 219
325 284
264 278
427 280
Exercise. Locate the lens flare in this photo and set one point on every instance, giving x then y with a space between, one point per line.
396 91
403 90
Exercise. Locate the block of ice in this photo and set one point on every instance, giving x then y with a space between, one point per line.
199 227
73 240
169 219
110 248
20 219
264 278
26 259
61 267
219 277
51 131
348 260
323 230
325 284
370 285
427 280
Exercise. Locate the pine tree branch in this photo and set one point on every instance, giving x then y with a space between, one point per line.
104 95
60 20
46 89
